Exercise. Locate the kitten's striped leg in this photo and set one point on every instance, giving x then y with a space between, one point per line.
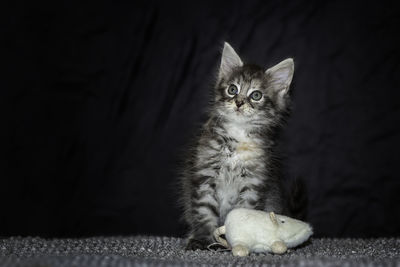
270 199
249 198
204 220
202 236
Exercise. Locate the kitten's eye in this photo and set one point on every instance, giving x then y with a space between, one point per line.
232 90
256 95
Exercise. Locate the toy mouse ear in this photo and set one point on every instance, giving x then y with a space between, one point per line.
273 219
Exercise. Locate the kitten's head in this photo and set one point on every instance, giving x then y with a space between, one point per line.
249 92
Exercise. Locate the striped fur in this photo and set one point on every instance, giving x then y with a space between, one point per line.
231 163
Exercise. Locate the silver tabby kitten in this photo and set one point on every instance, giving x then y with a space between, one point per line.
231 164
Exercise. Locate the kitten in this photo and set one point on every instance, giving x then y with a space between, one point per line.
232 163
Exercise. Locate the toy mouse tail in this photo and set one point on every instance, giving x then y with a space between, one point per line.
217 235
298 199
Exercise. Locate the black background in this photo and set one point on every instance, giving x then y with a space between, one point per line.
98 100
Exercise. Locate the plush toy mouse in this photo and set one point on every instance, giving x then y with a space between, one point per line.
248 230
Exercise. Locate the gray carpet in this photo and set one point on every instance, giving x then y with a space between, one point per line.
167 251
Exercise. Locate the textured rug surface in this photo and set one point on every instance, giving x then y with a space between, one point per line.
168 251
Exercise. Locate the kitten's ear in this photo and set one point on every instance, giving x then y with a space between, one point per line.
229 61
281 76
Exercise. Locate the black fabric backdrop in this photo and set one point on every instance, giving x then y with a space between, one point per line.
99 99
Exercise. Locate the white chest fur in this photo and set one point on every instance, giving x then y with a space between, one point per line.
245 149
243 156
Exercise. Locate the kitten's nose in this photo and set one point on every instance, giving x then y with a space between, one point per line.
239 103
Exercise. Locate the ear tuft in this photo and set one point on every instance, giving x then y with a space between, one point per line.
281 75
229 61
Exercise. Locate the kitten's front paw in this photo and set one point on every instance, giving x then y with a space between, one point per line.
194 244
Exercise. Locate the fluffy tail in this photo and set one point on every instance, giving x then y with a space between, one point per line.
298 200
